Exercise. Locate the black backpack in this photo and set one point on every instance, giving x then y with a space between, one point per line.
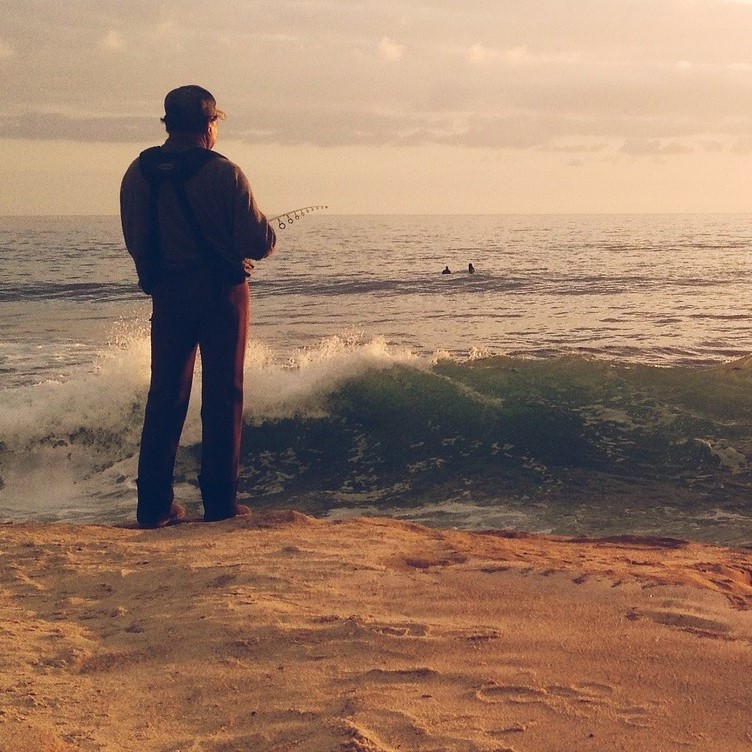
162 167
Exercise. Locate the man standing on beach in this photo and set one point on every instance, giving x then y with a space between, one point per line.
191 224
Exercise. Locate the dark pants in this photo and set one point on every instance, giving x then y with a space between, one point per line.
190 312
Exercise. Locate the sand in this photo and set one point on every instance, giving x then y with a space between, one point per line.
281 632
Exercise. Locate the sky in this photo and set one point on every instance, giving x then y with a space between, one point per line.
390 106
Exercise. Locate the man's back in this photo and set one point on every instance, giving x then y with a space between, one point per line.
222 201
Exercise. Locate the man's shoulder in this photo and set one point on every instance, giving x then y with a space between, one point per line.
133 173
227 169
224 163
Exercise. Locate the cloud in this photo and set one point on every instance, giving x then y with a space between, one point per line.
112 41
279 37
576 147
744 68
54 126
654 147
577 74
6 51
742 146
390 50
479 54
169 30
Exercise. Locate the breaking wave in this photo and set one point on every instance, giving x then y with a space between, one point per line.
566 444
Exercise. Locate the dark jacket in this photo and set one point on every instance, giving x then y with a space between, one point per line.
223 204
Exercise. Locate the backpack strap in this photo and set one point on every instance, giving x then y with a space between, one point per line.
158 164
159 167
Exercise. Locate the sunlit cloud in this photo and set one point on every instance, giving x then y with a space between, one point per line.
518 55
739 68
742 146
479 54
654 147
6 51
390 50
281 37
112 41
169 33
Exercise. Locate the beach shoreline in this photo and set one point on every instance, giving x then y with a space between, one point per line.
282 632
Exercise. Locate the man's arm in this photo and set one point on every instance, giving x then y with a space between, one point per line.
253 236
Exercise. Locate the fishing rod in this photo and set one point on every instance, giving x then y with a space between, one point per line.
288 217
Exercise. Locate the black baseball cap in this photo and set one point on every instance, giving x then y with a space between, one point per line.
189 109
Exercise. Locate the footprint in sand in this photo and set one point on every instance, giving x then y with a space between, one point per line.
639 716
356 625
407 629
588 694
110 662
577 700
512 693
684 621
574 699
476 635
450 558
221 581
419 673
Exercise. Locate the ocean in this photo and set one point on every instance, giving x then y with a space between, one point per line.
591 378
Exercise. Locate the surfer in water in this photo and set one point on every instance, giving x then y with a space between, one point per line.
470 269
446 270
